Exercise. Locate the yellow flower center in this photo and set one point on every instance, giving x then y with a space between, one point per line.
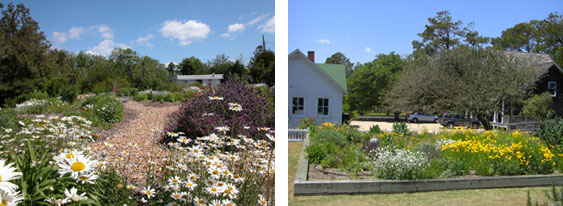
84 178
201 202
176 195
120 185
4 203
215 172
0 178
69 155
148 192
175 180
229 204
78 166
214 189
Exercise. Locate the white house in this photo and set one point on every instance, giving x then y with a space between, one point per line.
315 90
204 79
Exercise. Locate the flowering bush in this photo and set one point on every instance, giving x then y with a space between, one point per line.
103 110
200 115
53 165
399 164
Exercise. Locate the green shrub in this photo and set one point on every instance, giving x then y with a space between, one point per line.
37 95
141 97
306 122
331 136
538 106
401 128
8 118
69 94
109 109
551 131
126 92
316 153
375 129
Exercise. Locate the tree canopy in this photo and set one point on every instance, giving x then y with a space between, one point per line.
339 58
370 81
262 66
462 80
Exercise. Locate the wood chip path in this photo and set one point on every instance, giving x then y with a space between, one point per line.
139 119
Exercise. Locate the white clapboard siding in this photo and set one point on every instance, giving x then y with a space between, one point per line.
309 83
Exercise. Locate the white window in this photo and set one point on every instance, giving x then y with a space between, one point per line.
552 88
322 108
297 107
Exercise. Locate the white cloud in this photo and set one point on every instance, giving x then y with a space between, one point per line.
59 36
106 32
225 35
324 41
105 47
257 19
185 32
144 40
74 32
236 27
269 26
368 50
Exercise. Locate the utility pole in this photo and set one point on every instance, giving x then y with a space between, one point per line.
263 43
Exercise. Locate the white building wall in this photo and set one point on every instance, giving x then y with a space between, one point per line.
307 82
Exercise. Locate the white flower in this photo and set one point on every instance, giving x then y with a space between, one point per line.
262 201
223 129
149 192
216 98
87 178
7 173
77 166
235 107
73 196
56 202
8 198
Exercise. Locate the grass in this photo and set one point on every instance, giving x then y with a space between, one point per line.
504 196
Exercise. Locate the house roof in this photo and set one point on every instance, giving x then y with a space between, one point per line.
340 84
198 77
540 62
337 72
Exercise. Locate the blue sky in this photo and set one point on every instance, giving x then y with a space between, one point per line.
165 30
363 29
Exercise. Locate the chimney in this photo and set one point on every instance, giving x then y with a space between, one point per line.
311 55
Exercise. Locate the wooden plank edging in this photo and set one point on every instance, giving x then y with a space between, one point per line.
402 186
303 163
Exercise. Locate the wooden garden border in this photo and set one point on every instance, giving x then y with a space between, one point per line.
304 187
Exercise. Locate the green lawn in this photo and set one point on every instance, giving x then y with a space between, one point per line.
508 196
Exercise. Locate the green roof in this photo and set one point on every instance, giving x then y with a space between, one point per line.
337 72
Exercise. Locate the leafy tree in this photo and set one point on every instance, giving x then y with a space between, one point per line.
125 61
370 81
171 68
541 36
538 106
473 38
220 65
442 34
22 46
462 80
191 65
339 58
523 37
262 66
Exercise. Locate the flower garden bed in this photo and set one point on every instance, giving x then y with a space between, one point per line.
406 162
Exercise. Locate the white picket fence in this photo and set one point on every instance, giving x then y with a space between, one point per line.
297 135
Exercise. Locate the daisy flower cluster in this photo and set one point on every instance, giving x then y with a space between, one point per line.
218 170
45 147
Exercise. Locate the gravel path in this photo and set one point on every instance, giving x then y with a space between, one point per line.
139 119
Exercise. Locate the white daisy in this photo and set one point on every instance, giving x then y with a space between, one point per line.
149 192
77 166
216 98
73 196
7 173
8 198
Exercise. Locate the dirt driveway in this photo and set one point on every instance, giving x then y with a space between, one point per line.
388 126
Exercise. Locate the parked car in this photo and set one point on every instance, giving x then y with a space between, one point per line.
451 120
421 117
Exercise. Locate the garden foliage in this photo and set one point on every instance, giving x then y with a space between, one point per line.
200 116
